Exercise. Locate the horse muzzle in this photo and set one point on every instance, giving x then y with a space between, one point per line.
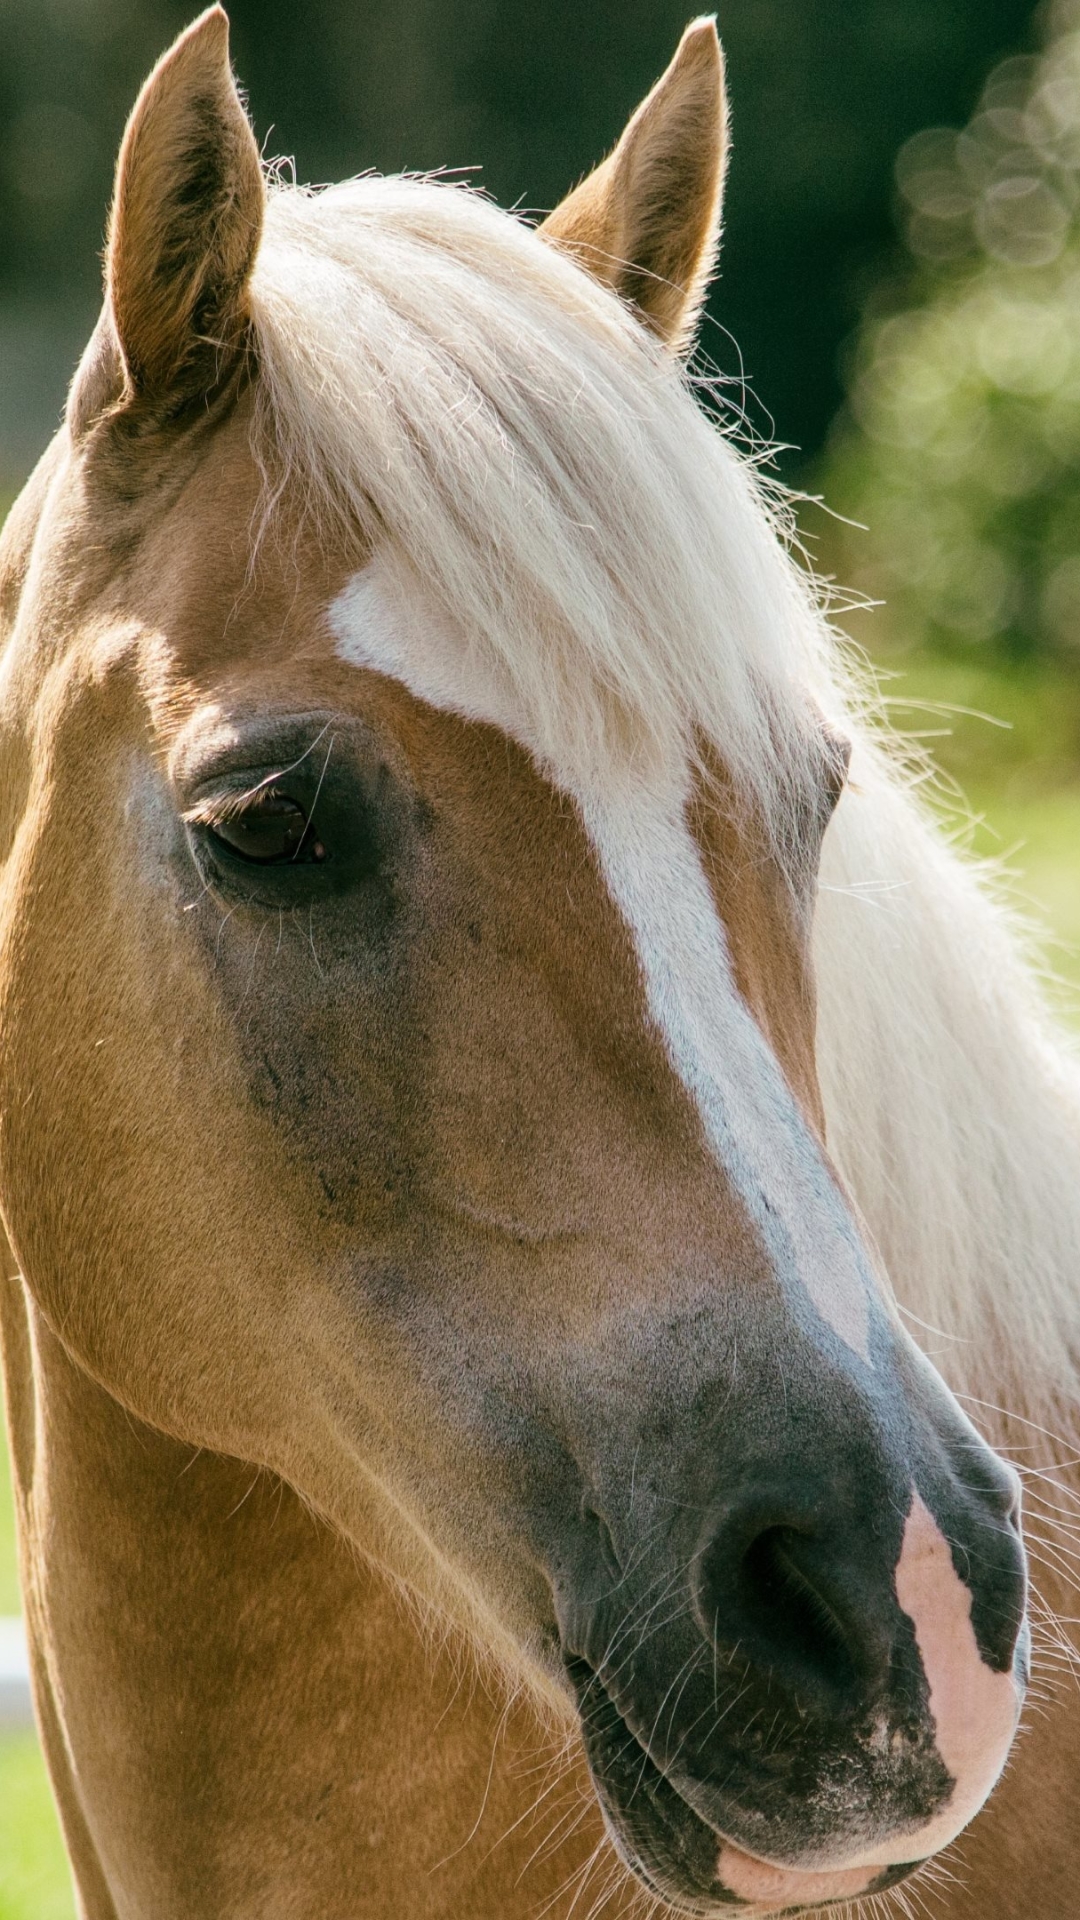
816 1701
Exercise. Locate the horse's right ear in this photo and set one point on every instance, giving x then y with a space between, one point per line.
646 222
186 219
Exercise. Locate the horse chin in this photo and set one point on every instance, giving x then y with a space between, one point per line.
678 1856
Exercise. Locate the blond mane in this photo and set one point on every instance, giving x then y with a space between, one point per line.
434 376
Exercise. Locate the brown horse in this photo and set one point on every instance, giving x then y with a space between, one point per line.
469 1459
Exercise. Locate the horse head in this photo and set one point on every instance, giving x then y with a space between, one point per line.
418 782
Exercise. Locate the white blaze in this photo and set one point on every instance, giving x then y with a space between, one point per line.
653 867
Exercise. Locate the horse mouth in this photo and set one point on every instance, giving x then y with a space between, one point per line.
693 1867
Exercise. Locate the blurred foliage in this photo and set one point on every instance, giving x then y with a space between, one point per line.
823 93
1004 738
34 1880
9 1573
960 448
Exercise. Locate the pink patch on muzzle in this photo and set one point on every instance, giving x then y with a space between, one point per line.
975 1710
767 1887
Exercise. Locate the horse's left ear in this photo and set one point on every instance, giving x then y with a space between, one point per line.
647 222
186 219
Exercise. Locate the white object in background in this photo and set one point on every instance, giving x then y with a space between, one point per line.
15 1707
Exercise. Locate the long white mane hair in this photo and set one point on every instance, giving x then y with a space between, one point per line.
434 374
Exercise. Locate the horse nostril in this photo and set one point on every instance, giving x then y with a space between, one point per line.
781 1596
806 1635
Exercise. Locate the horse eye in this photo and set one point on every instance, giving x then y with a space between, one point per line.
270 828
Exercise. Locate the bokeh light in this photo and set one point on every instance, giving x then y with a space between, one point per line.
959 448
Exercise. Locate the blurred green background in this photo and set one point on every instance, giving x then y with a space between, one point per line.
899 308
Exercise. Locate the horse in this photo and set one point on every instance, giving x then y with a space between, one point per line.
490 1034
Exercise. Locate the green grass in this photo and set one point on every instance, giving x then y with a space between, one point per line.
34 1879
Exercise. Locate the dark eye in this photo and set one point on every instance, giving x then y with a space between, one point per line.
270 828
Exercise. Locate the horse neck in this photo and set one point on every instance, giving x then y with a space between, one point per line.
239 1714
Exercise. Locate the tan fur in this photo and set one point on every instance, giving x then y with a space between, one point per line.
646 222
241 1718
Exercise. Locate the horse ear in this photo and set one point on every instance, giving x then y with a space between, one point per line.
186 219
647 222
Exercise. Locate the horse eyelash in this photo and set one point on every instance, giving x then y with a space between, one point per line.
217 809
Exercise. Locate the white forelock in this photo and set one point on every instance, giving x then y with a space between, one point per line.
506 434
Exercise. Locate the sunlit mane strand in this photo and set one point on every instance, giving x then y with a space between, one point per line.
437 382
465 396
